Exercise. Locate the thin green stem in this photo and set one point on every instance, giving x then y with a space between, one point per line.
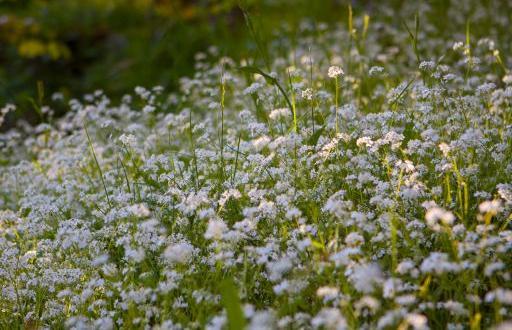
222 106
336 104
97 165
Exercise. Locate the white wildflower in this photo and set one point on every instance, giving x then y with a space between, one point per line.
179 253
365 277
490 207
216 229
329 319
335 71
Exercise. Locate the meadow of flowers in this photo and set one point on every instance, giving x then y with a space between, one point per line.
360 178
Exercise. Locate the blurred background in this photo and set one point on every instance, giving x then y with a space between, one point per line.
78 46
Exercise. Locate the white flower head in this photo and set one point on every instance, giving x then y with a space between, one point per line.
458 45
417 321
365 277
128 140
354 239
327 293
445 149
490 207
329 318
436 214
507 79
140 210
375 71
179 253
280 113
216 229
335 71
307 94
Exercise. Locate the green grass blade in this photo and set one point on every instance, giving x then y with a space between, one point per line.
232 304
97 165
270 80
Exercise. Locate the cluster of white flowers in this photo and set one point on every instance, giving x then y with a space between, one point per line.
335 71
400 219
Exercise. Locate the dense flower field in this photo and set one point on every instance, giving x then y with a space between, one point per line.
348 183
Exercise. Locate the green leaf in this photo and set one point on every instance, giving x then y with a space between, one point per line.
232 304
253 69
313 139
